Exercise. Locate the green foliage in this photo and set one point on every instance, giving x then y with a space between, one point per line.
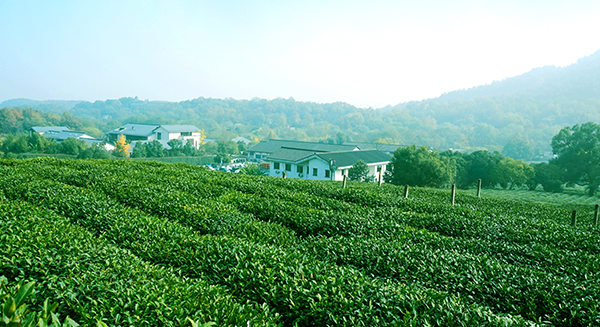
141 242
511 173
578 151
548 175
72 146
254 169
140 150
176 147
519 147
154 149
96 151
359 172
419 167
17 312
222 158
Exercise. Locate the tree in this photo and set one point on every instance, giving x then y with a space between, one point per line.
479 165
578 151
15 144
242 147
254 169
519 147
140 150
96 151
419 167
176 147
359 172
121 147
155 149
511 173
189 149
548 175
72 146
222 158
38 142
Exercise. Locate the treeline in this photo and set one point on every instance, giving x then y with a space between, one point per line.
23 144
517 116
21 120
577 150
470 124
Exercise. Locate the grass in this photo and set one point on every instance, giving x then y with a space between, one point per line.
569 196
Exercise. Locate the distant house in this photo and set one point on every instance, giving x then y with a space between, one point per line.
161 133
308 164
48 129
263 149
61 133
242 139
61 136
88 140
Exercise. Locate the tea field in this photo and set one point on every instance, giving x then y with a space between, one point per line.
127 243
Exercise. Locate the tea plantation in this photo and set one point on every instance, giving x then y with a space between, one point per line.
126 243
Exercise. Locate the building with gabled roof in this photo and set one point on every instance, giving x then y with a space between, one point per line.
309 164
161 133
48 129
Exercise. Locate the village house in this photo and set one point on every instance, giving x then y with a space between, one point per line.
306 164
61 133
316 161
48 129
161 133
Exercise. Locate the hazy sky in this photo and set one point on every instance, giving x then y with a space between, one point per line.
367 53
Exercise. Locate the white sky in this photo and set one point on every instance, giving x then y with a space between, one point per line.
367 53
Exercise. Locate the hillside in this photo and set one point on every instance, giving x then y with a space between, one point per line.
529 108
144 243
544 96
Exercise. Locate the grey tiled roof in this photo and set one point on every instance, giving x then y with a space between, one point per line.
271 146
134 130
63 135
180 128
290 154
45 129
349 158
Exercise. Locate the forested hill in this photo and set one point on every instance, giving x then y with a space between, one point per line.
528 110
547 95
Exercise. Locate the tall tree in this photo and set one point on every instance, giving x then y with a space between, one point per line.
419 167
121 147
578 154
359 172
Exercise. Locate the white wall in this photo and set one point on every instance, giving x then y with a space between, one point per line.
166 137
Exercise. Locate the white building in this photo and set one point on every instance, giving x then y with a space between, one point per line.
308 164
161 133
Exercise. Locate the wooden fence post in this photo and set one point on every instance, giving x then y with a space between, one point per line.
406 192
284 175
479 188
344 182
574 218
596 216
453 193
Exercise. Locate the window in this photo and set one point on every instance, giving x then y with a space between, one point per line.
327 173
276 165
158 136
315 172
186 133
378 168
299 169
288 167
